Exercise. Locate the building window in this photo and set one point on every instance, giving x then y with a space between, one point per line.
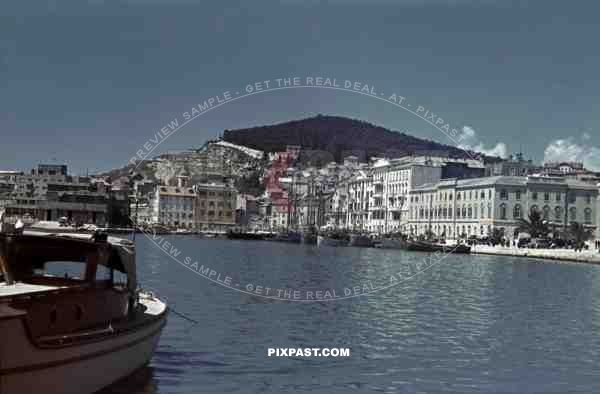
503 194
489 215
503 211
588 216
588 199
572 198
482 195
546 196
517 212
482 211
534 208
573 214
534 196
546 212
558 197
518 195
470 212
558 214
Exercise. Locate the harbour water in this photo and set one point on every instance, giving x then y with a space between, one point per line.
469 324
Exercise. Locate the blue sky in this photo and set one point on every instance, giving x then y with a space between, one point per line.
88 83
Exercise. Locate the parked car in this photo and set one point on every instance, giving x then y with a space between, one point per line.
558 244
524 242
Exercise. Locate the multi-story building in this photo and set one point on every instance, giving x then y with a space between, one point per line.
174 206
454 208
392 181
49 193
215 206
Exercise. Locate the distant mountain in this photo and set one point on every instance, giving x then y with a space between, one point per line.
341 137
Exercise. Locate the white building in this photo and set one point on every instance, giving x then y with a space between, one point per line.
174 206
453 208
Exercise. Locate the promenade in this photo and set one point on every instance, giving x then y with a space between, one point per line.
586 256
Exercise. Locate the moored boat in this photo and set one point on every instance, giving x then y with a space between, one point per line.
392 243
361 240
78 332
246 235
309 238
290 237
323 240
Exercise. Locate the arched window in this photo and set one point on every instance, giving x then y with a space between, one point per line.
546 212
558 214
503 211
573 214
588 216
518 212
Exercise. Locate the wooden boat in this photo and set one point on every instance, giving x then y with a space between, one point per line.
72 334
309 238
246 235
332 240
288 237
392 243
361 240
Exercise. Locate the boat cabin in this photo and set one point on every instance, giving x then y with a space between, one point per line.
98 286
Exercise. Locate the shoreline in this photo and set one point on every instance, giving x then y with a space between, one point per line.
586 256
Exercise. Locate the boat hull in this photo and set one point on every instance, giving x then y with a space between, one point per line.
25 367
309 239
362 241
326 241
391 243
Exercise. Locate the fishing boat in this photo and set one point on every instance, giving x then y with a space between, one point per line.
78 332
391 243
333 238
309 238
361 240
290 237
231 234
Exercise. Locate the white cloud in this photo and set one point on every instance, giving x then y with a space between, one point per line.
569 150
469 140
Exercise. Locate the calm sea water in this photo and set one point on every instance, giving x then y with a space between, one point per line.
470 324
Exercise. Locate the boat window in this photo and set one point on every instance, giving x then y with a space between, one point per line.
63 269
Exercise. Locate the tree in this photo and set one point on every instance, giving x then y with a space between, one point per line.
497 235
535 225
579 234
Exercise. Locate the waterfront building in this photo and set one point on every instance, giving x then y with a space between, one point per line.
49 193
392 181
456 208
174 206
215 206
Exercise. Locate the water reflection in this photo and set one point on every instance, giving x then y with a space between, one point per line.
141 381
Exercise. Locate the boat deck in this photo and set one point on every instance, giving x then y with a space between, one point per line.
23 288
